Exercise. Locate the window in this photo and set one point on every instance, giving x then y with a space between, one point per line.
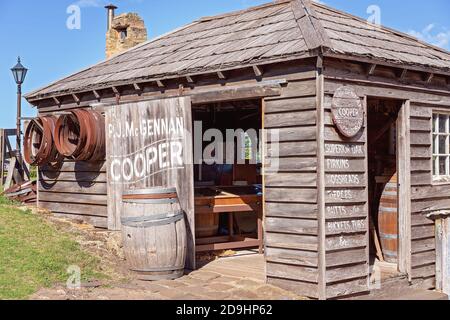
123 34
441 146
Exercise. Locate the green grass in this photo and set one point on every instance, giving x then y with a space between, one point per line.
34 254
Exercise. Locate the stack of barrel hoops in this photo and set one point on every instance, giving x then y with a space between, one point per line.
77 135
156 212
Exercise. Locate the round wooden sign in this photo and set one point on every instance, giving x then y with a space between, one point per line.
348 111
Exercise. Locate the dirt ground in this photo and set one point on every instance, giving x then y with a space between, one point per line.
216 281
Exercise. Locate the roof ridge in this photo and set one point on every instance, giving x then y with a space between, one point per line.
310 25
382 27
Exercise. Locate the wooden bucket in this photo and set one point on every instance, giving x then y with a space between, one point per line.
388 220
154 233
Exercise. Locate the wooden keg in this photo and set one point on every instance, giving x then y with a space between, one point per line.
154 233
388 220
206 225
206 221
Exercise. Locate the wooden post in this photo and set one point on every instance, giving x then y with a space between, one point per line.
404 188
321 179
439 255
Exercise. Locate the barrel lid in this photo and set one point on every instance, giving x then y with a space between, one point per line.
149 191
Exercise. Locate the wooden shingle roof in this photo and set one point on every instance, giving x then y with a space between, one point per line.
273 32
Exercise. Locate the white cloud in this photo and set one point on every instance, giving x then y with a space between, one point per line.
436 36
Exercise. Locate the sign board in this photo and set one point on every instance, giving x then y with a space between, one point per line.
149 144
348 111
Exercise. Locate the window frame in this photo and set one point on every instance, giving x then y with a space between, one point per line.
436 134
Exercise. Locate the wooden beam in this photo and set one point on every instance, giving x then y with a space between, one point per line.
221 75
240 92
137 87
258 71
160 84
57 101
371 69
76 98
189 79
97 95
403 74
116 91
429 77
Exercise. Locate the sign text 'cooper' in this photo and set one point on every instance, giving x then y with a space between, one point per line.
348 111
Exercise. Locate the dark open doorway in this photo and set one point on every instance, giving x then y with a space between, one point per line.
228 180
383 175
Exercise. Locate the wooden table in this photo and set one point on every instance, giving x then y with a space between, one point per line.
230 200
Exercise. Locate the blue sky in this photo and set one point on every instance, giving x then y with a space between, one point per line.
36 30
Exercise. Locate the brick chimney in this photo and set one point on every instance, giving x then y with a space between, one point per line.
124 31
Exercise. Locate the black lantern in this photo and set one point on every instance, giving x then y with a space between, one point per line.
19 72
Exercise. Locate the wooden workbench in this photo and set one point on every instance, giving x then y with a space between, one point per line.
230 200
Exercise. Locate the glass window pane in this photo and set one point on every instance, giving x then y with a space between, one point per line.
435 167
442 144
442 123
435 125
435 141
442 165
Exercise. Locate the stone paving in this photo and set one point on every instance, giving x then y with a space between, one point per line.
239 278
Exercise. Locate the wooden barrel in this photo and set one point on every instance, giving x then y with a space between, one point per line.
206 225
206 222
154 233
388 220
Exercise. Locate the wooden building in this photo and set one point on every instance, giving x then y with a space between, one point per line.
354 105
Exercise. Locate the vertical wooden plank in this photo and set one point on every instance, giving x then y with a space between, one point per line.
149 144
404 199
445 255
11 169
114 190
263 159
366 174
321 178
439 254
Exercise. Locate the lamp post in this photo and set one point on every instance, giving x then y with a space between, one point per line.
19 72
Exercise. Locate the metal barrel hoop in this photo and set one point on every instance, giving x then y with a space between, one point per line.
152 221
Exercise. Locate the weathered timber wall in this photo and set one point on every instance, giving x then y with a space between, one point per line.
346 210
291 209
425 196
75 190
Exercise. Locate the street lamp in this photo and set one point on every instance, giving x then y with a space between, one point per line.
19 73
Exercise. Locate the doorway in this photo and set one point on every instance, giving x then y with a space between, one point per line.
228 179
383 125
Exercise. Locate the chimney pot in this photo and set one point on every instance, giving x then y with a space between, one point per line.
110 15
